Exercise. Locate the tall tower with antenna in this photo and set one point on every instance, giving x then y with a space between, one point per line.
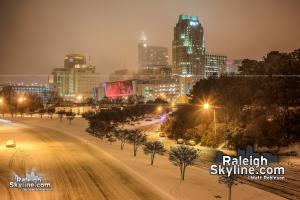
142 51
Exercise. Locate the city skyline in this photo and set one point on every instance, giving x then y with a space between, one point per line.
37 35
149 99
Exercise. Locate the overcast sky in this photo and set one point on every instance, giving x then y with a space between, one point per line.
35 35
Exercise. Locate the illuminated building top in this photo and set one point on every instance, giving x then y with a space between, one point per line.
74 61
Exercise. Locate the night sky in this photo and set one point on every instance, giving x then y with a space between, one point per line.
35 35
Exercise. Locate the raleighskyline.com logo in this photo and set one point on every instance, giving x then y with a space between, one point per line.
254 165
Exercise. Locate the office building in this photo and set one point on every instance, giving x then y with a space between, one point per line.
150 57
172 89
120 75
76 78
42 91
155 73
188 47
74 61
214 63
166 89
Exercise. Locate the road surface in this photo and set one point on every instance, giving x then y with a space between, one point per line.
81 166
76 169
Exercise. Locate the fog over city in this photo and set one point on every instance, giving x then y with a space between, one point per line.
35 35
149 99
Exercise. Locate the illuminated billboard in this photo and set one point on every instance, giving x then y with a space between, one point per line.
118 89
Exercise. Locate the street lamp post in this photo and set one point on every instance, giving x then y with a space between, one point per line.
206 106
1 107
20 101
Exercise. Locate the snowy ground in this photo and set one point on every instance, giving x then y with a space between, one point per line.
83 167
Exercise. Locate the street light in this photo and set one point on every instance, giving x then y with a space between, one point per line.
21 99
79 97
159 108
206 106
1 100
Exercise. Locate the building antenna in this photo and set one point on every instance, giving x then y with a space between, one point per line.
143 37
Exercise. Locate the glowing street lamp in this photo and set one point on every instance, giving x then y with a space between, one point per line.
79 97
21 99
159 108
1 100
206 106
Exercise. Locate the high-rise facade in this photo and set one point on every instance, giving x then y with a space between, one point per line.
150 57
214 63
76 78
188 47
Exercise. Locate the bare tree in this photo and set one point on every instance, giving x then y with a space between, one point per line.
137 139
61 114
153 148
50 112
229 181
183 156
111 139
41 112
122 135
70 116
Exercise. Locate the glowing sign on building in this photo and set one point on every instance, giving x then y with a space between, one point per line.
118 89
193 23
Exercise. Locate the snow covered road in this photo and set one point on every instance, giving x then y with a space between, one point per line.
75 169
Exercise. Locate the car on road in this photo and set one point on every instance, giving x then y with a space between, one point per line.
10 144
89 130
161 134
112 139
190 142
148 119
290 153
180 141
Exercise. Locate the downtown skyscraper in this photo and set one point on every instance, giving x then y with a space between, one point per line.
151 57
76 78
188 51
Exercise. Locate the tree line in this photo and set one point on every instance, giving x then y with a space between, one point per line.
105 124
107 127
260 106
